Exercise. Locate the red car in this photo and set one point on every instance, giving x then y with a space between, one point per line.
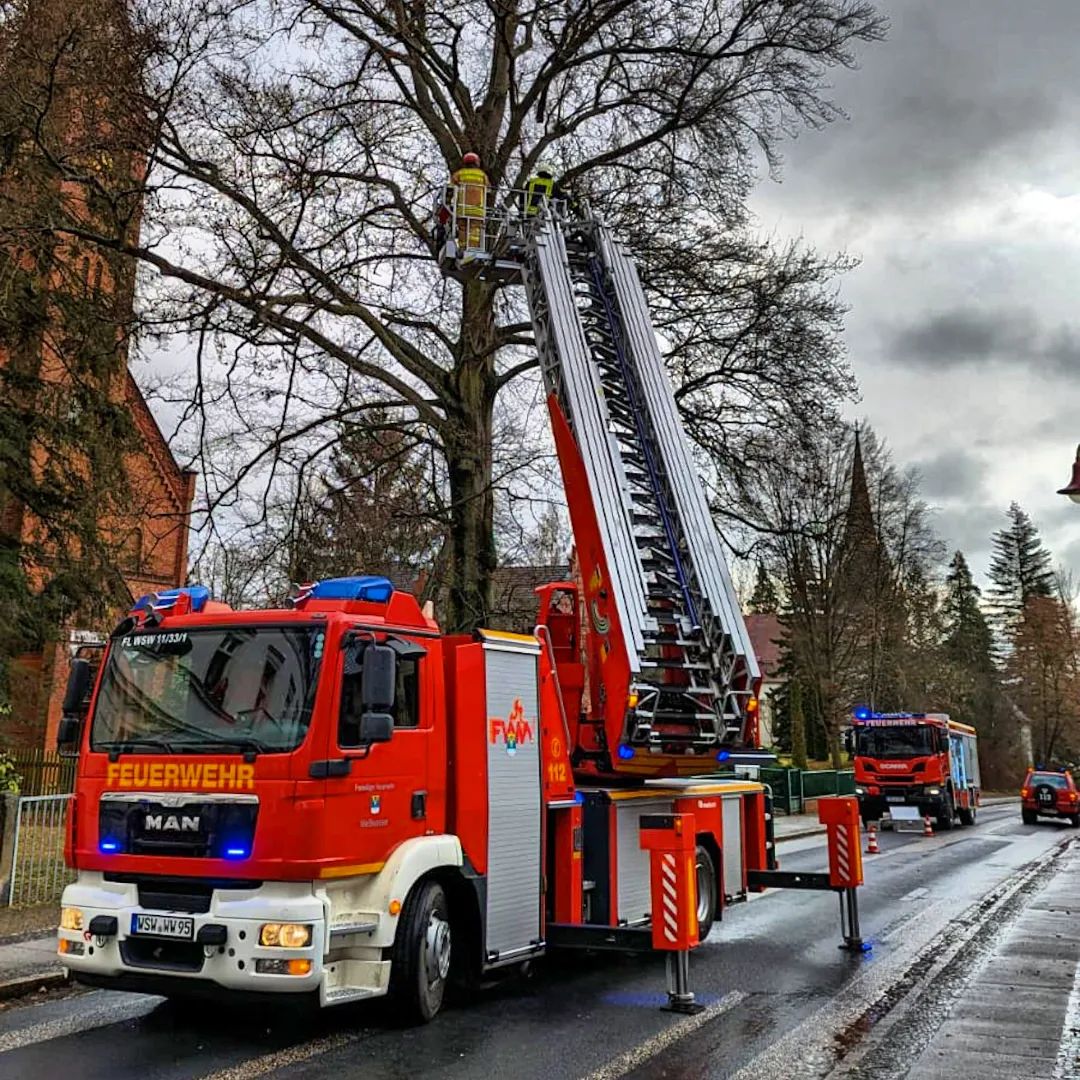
1049 794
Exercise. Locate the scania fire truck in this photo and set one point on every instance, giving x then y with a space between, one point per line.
924 760
335 799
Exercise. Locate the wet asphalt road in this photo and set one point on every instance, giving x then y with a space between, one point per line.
781 999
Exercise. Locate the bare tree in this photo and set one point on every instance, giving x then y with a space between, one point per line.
298 142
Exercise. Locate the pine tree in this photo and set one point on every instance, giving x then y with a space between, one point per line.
1020 568
798 727
968 648
765 599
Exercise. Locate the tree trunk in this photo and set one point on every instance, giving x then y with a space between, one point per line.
468 442
798 728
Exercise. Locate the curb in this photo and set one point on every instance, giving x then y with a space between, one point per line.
817 830
30 984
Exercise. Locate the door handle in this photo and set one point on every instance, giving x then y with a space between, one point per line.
419 805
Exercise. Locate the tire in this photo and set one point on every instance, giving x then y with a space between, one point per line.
945 819
1074 820
967 815
1029 817
706 891
420 959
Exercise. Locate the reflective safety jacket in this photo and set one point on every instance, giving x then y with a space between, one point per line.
537 190
472 185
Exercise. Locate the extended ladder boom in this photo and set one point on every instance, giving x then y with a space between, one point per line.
671 671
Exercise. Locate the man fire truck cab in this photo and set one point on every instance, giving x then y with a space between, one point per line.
334 798
916 759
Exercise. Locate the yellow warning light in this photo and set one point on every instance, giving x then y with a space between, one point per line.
632 699
678 826
752 705
395 907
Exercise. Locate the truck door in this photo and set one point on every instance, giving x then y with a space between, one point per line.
382 799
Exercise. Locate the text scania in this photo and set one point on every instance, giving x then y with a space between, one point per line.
184 775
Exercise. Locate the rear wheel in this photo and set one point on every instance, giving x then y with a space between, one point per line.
705 886
421 955
967 815
1029 817
1074 820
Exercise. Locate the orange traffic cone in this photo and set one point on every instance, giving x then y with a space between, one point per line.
927 828
871 840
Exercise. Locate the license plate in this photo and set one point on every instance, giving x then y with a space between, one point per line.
894 798
171 926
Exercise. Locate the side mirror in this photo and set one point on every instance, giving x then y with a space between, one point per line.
69 732
379 679
78 688
376 727
848 740
67 736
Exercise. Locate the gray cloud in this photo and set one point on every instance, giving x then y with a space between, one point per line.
965 335
970 528
952 474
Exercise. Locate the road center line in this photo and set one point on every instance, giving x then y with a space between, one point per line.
657 1044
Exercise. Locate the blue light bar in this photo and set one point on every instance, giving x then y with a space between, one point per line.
863 714
369 588
165 600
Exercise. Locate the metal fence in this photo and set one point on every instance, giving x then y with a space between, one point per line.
43 772
791 788
38 872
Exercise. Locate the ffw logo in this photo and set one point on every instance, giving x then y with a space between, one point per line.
172 823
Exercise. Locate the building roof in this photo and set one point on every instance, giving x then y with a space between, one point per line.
766 632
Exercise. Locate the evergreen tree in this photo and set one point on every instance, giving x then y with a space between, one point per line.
968 649
1019 569
798 727
765 600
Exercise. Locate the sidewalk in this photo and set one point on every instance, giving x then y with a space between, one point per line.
26 966
1020 1016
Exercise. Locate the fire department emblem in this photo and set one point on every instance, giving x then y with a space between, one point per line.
513 731
376 803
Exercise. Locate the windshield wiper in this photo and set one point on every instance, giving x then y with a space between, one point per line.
244 743
127 746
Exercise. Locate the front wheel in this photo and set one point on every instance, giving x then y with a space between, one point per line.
420 961
945 818
705 885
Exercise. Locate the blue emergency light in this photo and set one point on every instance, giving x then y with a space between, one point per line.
368 587
108 846
626 752
165 600
236 853
723 755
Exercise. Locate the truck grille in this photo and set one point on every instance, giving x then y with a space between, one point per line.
193 829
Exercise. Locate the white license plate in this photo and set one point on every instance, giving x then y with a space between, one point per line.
171 926
894 798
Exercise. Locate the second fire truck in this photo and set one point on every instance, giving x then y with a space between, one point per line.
923 760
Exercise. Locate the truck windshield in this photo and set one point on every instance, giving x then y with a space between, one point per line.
218 691
894 742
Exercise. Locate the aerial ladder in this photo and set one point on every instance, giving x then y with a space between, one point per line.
673 676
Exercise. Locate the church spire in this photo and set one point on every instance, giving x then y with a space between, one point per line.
860 528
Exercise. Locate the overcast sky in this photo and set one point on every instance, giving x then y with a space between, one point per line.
956 181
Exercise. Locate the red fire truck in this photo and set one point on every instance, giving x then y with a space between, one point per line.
916 759
335 799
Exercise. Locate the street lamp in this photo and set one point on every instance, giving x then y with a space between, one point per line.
1072 489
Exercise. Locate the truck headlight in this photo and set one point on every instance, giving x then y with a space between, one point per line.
285 935
71 918
860 791
933 791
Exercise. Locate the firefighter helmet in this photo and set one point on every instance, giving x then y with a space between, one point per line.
545 170
471 161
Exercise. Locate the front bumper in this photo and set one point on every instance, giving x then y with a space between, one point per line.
925 796
162 965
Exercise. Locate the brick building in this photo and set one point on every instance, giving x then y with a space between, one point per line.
72 153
